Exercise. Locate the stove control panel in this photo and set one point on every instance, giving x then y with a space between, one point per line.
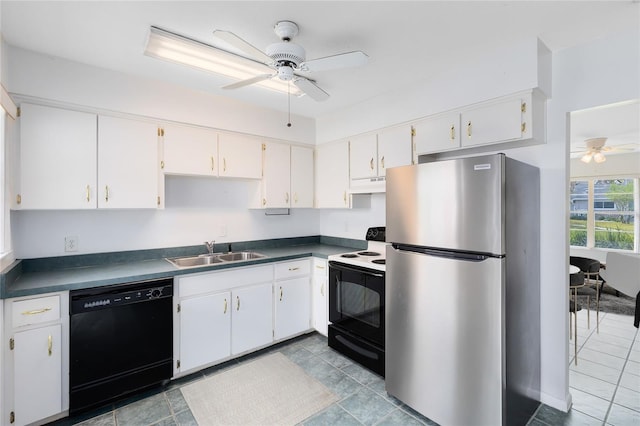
377 233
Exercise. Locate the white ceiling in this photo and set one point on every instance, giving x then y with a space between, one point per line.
406 41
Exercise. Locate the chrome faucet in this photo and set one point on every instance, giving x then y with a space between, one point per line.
210 246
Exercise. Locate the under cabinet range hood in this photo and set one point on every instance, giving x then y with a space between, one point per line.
368 185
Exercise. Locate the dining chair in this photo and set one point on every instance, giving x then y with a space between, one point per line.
591 270
576 280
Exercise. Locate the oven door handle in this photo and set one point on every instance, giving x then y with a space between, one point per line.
344 267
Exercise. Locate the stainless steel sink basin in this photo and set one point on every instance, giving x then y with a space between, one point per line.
191 261
241 255
211 259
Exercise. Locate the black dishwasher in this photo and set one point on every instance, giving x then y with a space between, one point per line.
121 341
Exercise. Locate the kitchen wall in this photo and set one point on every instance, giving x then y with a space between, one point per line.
599 72
195 209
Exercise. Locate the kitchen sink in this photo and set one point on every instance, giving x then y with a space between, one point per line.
188 262
241 255
211 259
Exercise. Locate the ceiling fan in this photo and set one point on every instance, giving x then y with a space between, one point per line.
288 59
595 149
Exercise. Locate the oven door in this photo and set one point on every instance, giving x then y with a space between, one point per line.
356 301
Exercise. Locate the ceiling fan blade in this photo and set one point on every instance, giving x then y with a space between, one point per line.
343 60
242 45
311 89
249 81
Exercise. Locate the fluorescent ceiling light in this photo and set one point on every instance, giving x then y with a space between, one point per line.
171 47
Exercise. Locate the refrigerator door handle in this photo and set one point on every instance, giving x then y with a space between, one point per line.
450 254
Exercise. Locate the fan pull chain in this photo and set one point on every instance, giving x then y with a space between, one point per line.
289 102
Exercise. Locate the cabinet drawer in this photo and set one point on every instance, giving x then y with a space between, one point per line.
319 266
35 311
294 268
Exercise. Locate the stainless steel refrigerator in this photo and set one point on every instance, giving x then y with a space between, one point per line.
463 290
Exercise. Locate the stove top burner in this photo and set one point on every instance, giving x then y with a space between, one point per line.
349 255
368 253
379 261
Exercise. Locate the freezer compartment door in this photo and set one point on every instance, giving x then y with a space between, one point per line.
444 336
454 204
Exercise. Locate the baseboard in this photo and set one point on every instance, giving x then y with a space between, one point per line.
559 404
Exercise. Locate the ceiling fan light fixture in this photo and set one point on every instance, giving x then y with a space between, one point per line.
587 157
175 48
599 157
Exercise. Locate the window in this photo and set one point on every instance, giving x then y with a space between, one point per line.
605 213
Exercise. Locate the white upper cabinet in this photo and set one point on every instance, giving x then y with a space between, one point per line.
190 151
493 123
127 163
276 182
57 159
240 156
301 177
332 175
394 148
363 160
437 134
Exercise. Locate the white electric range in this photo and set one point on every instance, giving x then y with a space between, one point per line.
373 257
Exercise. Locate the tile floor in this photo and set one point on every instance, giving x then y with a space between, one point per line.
604 386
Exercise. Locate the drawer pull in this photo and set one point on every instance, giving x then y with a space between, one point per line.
294 269
36 311
319 267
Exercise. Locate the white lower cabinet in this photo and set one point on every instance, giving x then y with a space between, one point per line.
205 330
252 318
36 364
221 314
292 307
320 296
37 373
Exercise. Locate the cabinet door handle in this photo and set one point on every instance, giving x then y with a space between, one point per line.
50 345
382 161
469 129
344 197
322 289
237 303
36 311
224 164
264 201
523 128
106 193
225 306
371 163
213 163
281 293
295 197
452 133
286 197
88 193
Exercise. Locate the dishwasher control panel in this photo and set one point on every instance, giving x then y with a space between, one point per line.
113 296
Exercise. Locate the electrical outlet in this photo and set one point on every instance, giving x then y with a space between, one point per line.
71 243
223 231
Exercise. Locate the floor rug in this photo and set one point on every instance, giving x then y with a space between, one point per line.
268 391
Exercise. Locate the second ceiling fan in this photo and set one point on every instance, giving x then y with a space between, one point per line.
288 59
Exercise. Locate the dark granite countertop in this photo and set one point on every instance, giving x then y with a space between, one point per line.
37 276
